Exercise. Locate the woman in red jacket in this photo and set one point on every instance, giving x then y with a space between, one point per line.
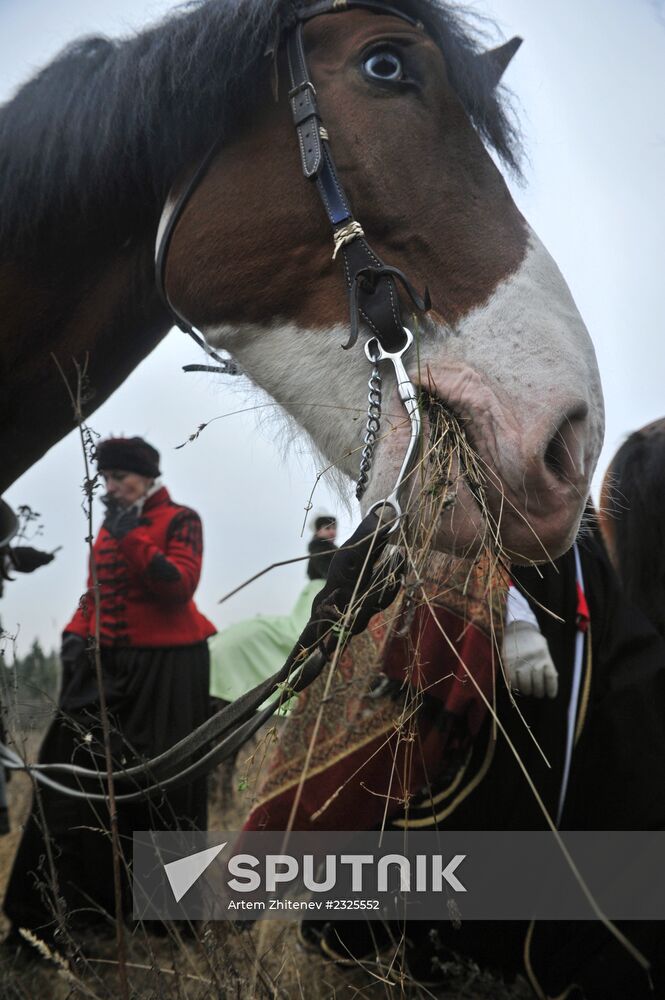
155 670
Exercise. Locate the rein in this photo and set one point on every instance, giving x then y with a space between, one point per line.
354 590
351 581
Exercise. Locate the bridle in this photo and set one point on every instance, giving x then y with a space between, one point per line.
374 300
371 284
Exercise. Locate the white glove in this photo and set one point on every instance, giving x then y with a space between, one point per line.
527 661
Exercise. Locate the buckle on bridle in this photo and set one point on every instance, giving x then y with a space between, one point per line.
305 85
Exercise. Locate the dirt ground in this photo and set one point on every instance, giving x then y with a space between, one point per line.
218 961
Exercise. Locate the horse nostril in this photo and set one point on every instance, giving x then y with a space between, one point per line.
564 454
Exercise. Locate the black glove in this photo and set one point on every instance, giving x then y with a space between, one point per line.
26 559
354 566
72 647
119 521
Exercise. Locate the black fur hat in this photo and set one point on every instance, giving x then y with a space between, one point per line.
129 454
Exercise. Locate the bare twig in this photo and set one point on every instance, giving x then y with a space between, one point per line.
89 486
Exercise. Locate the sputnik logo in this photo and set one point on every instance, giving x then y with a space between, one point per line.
183 873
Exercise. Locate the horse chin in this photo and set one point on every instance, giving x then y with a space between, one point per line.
530 542
463 530
458 520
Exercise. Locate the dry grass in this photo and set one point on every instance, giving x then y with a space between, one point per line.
220 962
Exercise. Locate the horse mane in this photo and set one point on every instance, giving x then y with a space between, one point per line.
635 495
97 137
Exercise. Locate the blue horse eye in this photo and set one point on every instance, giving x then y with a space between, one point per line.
384 65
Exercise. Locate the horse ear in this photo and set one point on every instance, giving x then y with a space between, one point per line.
495 61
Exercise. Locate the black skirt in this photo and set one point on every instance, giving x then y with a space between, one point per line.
155 697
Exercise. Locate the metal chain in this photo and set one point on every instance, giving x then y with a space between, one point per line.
371 431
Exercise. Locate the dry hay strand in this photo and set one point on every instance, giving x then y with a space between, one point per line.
451 458
447 462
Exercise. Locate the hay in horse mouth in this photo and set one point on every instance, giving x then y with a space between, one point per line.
447 445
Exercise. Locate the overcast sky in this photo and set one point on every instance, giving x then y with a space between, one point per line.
590 79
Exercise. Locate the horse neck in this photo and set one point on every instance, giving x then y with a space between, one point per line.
100 313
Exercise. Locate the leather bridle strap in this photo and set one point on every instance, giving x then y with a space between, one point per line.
165 233
371 283
336 6
372 289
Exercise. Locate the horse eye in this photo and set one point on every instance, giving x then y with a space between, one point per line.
384 65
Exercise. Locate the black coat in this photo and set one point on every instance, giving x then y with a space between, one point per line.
616 779
321 552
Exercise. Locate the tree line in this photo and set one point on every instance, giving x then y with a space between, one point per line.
29 683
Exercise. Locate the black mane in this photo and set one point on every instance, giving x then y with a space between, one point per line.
100 134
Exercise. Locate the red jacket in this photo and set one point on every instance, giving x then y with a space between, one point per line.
147 580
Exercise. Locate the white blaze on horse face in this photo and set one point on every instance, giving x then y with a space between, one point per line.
519 370
521 373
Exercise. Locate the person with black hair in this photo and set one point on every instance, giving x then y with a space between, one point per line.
154 658
322 547
247 652
632 519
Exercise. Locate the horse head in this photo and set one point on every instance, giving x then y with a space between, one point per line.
503 348
409 103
